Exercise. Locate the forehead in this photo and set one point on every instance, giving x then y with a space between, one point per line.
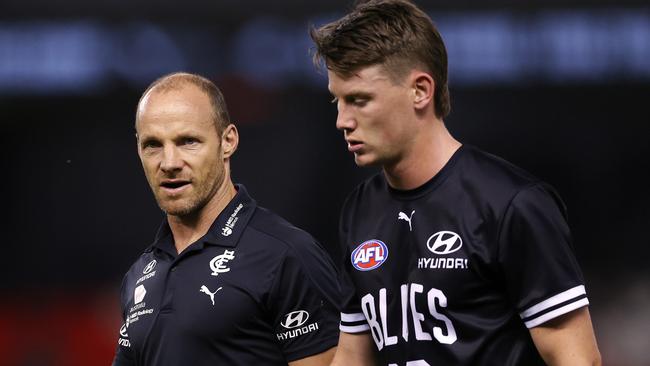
364 79
183 108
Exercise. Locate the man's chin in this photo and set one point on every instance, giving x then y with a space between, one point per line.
178 208
365 160
180 213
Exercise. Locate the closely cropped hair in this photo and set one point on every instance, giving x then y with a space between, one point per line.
393 33
177 80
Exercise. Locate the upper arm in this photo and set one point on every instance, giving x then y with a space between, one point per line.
544 279
323 358
301 305
567 340
355 349
535 257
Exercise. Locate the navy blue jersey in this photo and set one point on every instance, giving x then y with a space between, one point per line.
455 272
254 290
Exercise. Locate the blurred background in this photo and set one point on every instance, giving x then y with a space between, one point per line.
560 88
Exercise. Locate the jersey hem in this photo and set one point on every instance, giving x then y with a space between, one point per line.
352 317
354 329
557 312
555 306
353 323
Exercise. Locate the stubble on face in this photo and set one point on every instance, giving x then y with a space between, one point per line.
204 189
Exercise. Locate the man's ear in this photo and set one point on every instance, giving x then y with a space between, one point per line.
137 144
229 141
423 89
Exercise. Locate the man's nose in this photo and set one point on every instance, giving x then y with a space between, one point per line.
345 120
171 160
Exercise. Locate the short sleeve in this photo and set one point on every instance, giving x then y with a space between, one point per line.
542 276
352 318
123 353
303 304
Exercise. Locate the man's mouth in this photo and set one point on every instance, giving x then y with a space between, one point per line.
174 185
354 146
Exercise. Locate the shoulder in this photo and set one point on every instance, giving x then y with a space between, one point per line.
293 251
144 264
491 169
506 186
366 191
495 179
281 236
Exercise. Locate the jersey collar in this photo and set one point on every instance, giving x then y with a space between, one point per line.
431 184
225 231
231 222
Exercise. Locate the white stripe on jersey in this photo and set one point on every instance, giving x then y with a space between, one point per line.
354 329
557 312
356 317
552 301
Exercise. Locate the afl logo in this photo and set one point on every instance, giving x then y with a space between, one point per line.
295 319
444 242
369 255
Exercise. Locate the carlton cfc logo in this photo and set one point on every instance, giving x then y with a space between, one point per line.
369 255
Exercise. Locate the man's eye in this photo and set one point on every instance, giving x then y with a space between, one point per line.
356 100
359 102
150 144
190 141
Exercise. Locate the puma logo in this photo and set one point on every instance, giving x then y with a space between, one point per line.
206 291
402 216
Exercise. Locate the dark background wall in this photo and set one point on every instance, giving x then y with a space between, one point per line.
560 89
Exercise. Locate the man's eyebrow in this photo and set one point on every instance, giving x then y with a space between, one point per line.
357 94
145 139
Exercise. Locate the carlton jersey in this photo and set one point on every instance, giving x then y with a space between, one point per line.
456 271
253 291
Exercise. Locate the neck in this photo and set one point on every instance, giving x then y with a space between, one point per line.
189 228
424 158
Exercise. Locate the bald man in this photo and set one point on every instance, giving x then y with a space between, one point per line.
225 282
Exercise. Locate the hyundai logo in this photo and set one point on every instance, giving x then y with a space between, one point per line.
444 242
295 319
123 330
149 267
